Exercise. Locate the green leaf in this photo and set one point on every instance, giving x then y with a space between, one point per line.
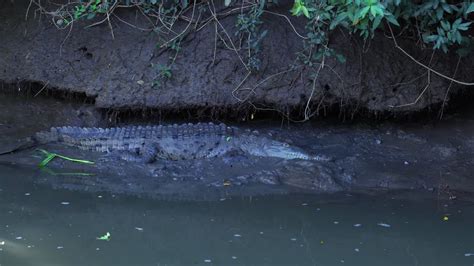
47 160
342 16
305 11
430 38
439 13
341 58
390 18
50 156
362 13
456 23
464 26
376 10
458 37
90 15
446 26
295 10
447 8
105 237
470 8
376 22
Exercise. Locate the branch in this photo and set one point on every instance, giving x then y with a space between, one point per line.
425 66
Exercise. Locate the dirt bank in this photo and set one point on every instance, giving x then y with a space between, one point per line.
434 158
118 71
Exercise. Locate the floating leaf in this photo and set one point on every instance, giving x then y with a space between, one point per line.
105 237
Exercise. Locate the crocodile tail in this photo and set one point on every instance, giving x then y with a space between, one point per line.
23 145
42 137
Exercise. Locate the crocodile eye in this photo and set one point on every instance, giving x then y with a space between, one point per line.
286 145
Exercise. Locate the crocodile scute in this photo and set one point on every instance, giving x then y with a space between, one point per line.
172 142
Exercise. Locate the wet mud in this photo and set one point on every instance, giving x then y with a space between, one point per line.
436 158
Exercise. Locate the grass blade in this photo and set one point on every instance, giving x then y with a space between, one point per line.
50 156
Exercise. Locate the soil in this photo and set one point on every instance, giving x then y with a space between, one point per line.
117 72
434 158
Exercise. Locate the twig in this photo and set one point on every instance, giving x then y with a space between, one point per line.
419 96
307 108
240 84
447 91
110 25
130 24
228 36
252 90
425 66
289 22
422 92
185 29
46 84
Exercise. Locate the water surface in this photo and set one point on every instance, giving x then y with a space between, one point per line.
43 226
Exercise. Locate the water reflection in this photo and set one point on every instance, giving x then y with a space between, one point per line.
42 226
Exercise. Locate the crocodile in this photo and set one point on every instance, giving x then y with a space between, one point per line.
169 142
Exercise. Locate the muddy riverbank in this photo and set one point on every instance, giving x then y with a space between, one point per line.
121 71
435 157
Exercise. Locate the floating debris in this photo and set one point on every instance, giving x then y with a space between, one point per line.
445 218
65 203
304 204
208 261
384 225
139 229
2 243
18 238
293 239
234 257
357 225
27 194
59 247
356 250
468 254
336 222
237 235
105 237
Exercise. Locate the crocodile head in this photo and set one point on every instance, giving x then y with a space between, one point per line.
270 148
284 150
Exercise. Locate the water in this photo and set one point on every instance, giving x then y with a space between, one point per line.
42 226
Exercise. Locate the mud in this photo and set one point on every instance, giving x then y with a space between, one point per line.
432 157
118 73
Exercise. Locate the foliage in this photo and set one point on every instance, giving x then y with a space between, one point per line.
163 73
248 29
441 24
437 24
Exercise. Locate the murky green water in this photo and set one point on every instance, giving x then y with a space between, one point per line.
42 226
